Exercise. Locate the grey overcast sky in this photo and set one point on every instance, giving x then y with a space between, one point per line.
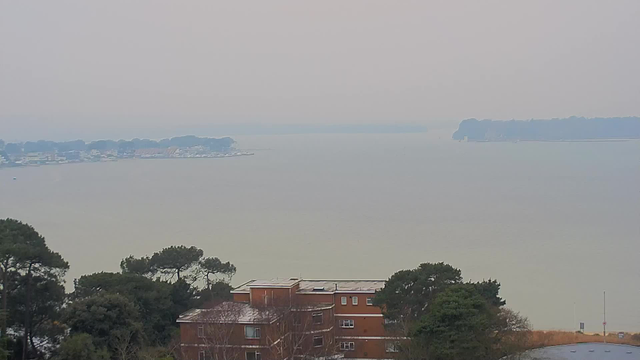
91 66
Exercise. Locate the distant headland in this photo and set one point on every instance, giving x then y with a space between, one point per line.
567 129
44 152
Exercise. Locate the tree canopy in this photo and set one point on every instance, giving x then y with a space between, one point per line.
458 326
137 266
103 316
175 260
448 319
212 269
108 315
80 346
407 293
27 263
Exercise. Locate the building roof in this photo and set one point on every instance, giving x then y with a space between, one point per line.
595 351
315 286
275 283
229 313
338 286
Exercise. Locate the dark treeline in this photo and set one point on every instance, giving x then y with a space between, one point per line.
219 145
573 128
110 315
438 316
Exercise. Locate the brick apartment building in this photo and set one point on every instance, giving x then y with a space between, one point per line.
288 319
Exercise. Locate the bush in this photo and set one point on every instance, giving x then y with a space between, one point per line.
80 346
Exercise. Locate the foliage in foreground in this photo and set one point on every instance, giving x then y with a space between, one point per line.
128 315
444 318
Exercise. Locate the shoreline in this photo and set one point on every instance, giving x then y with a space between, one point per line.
556 141
21 166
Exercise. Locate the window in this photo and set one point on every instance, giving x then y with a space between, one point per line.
252 332
369 301
343 300
354 300
349 324
296 319
200 330
392 346
317 318
318 341
202 355
253 355
346 346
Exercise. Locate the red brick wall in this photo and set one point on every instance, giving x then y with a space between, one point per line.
372 349
361 308
235 332
363 326
275 296
241 297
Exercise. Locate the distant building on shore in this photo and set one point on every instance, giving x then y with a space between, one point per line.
288 319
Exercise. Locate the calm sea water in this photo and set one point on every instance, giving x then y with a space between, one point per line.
555 223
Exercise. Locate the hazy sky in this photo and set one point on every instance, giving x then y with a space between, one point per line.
94 67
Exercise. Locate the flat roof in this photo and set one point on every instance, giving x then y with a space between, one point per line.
266 283
368 286
315 286
587 351
229 312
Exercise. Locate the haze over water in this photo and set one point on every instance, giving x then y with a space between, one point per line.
555 223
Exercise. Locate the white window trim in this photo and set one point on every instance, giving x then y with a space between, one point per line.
200 331
318 337
354 300
359 315
317 315
202 355
369 301
256 329
343 300
343 323
347 346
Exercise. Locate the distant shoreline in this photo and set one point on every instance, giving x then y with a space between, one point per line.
42 152
221 156
559 141
557 130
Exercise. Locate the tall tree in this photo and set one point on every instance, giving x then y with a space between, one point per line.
489 290
37 259
104 316
174 261
11 233
458 326
24 252
213 270
154 299
463 324
408 293
138 266
48 296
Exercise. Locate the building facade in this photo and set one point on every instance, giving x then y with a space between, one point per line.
288 319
